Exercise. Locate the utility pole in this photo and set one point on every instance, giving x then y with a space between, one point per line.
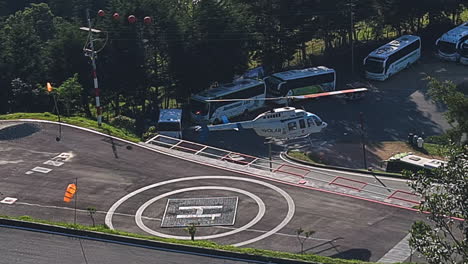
363 140
76 198
91 53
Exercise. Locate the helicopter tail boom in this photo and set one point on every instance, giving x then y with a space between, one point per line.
231 126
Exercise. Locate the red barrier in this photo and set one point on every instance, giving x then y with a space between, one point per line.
347 186
292 173
228 157
392 196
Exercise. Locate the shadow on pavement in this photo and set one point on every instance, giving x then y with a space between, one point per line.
18 131
354 253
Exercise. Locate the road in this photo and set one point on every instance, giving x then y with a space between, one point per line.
129 180
23 247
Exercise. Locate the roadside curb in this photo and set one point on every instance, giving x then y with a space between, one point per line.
391 175
138 242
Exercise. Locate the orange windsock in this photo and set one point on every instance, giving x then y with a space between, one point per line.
69 193
49 87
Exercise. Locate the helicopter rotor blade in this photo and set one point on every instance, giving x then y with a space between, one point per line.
308 96
298 97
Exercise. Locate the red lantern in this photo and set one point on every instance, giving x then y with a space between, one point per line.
101 13
116 16
131 19
147 20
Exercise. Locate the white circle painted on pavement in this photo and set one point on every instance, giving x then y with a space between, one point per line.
289 200
260 214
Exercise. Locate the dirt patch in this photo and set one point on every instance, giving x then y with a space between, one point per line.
351 155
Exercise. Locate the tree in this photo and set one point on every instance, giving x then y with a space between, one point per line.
445 196
302 240
191 229
457 104
91 211
70 94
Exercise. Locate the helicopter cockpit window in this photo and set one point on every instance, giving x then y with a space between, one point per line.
317 120
302 123
310 122
292 125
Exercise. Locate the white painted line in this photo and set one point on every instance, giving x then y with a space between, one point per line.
53 163
236 170
159 219
260 214
289 200
9 200
399 253
41 169
343 172
64 156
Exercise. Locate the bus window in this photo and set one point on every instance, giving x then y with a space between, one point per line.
374 65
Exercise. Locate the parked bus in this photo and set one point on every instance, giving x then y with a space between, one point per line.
463 50
392 57
213 112
448 44
170 123
300 82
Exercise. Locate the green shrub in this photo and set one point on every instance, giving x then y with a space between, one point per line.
123 122
151 132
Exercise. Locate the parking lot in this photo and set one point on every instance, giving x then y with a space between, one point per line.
392 109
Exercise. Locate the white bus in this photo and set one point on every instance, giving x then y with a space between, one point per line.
392 57
300 82
203 112
449 43
463 50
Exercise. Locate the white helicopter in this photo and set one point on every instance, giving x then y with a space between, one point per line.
284 122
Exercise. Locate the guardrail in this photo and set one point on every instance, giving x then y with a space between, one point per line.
302 172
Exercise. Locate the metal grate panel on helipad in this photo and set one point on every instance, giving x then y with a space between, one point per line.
214 211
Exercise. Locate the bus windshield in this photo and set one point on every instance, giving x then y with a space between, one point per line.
446 47
199 107
464 49
168 126
272 84
374 65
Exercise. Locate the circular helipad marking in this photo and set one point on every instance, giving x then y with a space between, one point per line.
289 200
260 214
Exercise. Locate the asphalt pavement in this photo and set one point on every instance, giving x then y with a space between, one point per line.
35 169
24 247
390 110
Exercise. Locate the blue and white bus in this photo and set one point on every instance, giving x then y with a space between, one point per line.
203 112
449 43
463 50
392 57
300 82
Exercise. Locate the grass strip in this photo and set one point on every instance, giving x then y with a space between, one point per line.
77 121
202 243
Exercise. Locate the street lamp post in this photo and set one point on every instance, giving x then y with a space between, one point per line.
89 51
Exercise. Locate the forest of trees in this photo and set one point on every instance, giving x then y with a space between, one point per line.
188 45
